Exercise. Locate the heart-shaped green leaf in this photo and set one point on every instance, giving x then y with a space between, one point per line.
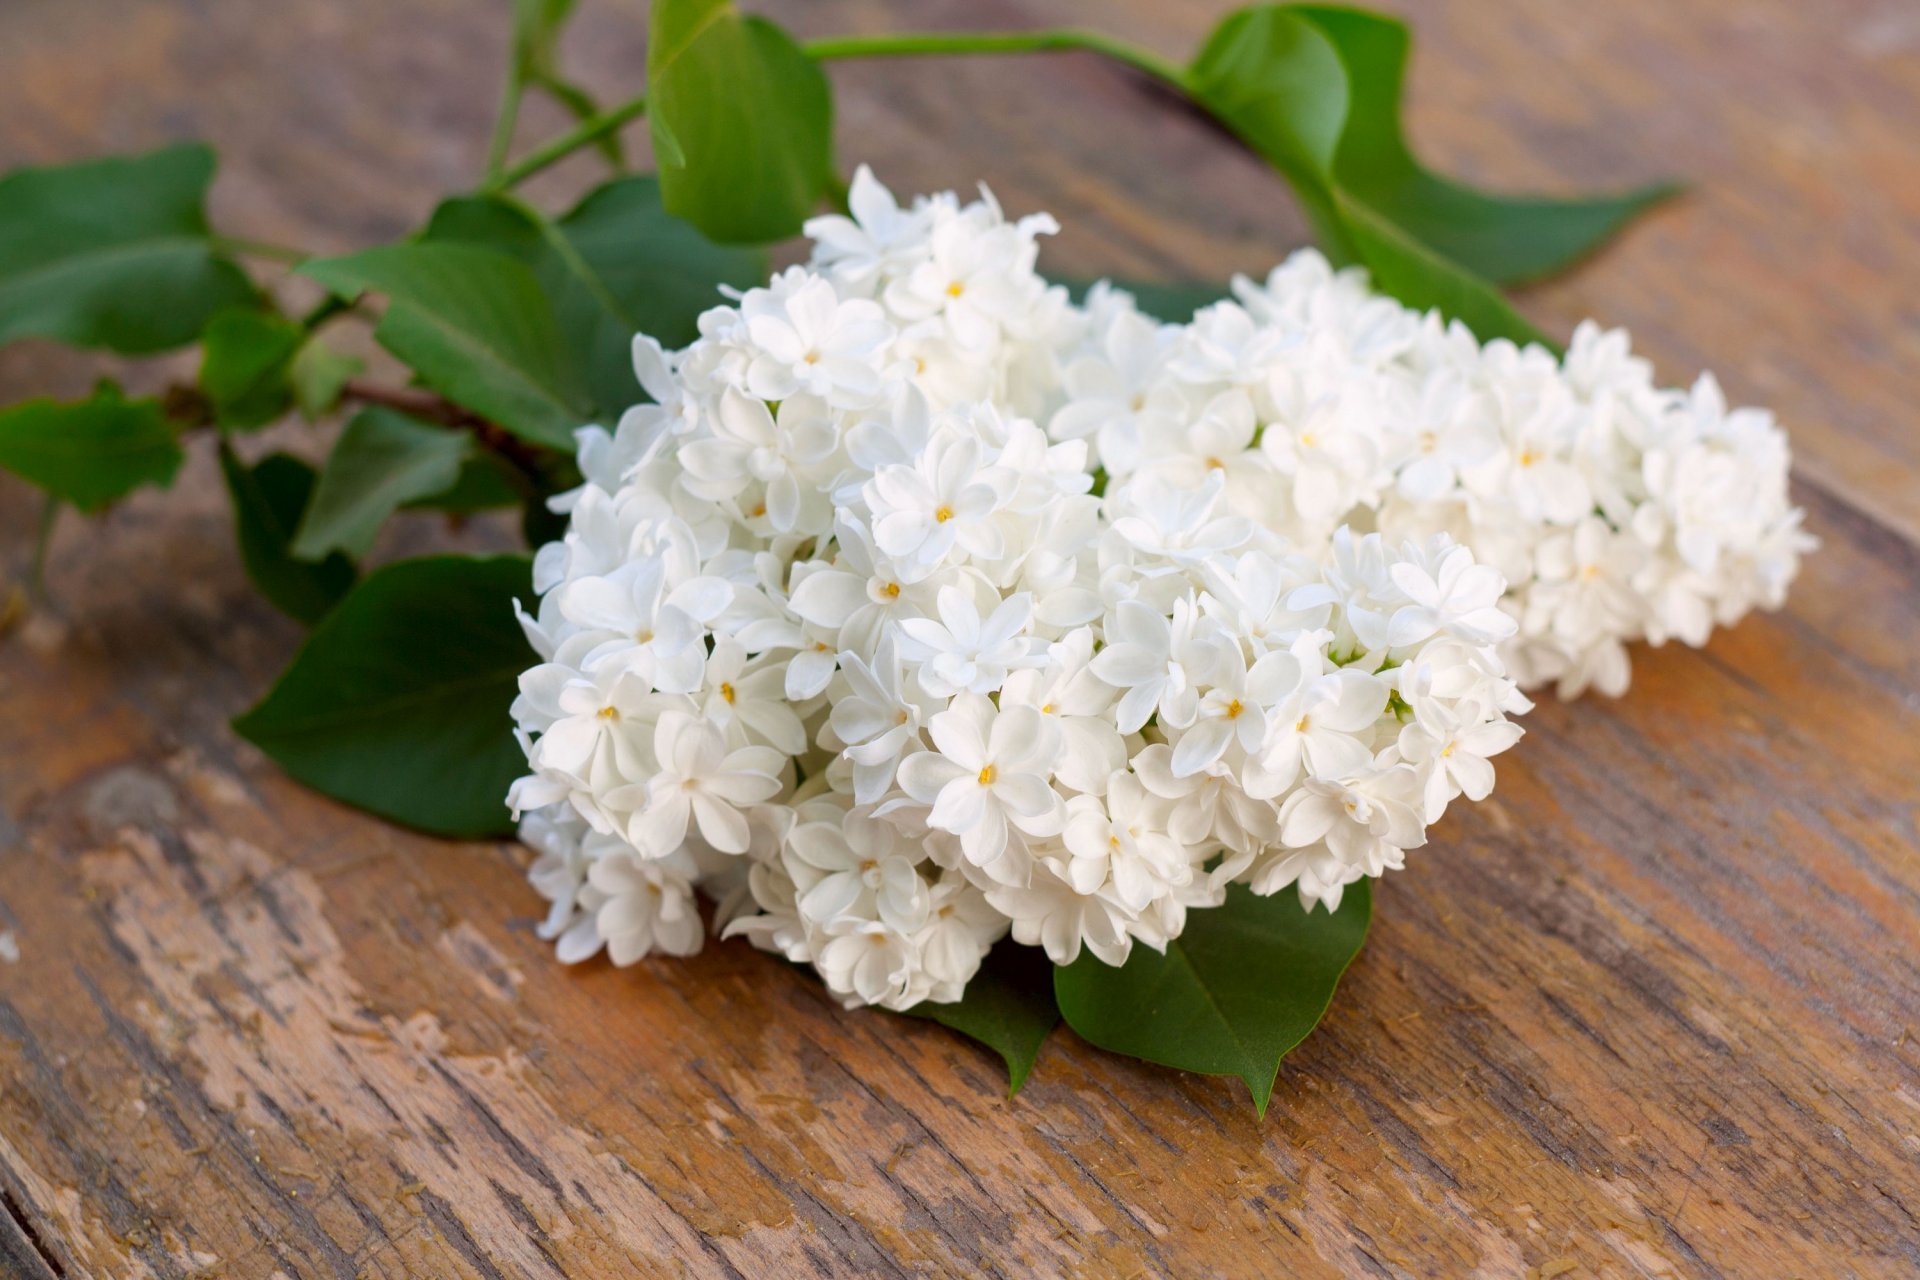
742 121
268 499
113 253
1008 1007
382 461
1240 987
1505 239
476 326
1316 91
92 451
398 701
618 264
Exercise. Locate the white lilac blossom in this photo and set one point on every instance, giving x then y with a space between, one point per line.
924 607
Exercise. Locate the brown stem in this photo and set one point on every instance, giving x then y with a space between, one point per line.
416 401
433 407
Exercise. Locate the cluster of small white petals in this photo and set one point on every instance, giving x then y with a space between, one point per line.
923 606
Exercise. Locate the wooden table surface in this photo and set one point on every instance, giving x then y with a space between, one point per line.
1649 1011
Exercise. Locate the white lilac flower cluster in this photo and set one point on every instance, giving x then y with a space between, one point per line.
923 606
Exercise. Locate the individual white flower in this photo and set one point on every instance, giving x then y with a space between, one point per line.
963 652
701 782
750 444
1049 912
644 908
1319 728
1115 394
1158 661
858 865
747 700
1360 821
1121 841
651 629
1234 711
879 720
869 962
923 510
961 926
1067 692
1585 579
1454 748
812 342
878 238
977 276
1450 593
987 774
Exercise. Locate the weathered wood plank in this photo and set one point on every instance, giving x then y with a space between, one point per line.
1650 1011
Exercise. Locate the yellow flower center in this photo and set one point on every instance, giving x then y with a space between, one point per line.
726 691
987 776
1234 709
955 289
891 591
944 514
609 713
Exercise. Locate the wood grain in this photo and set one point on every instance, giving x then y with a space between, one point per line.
1649 1012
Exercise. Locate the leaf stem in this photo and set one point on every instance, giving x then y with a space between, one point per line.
586 133
505 121
432 407
933 43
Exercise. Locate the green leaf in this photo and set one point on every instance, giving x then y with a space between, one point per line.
92 451
382 461
1506 239
476 326
1316 91
1278 82
268 500
398 701
484 484
244 368
1240 987
1008 1007
113 253
319 375
1405 269
616 265
742 121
